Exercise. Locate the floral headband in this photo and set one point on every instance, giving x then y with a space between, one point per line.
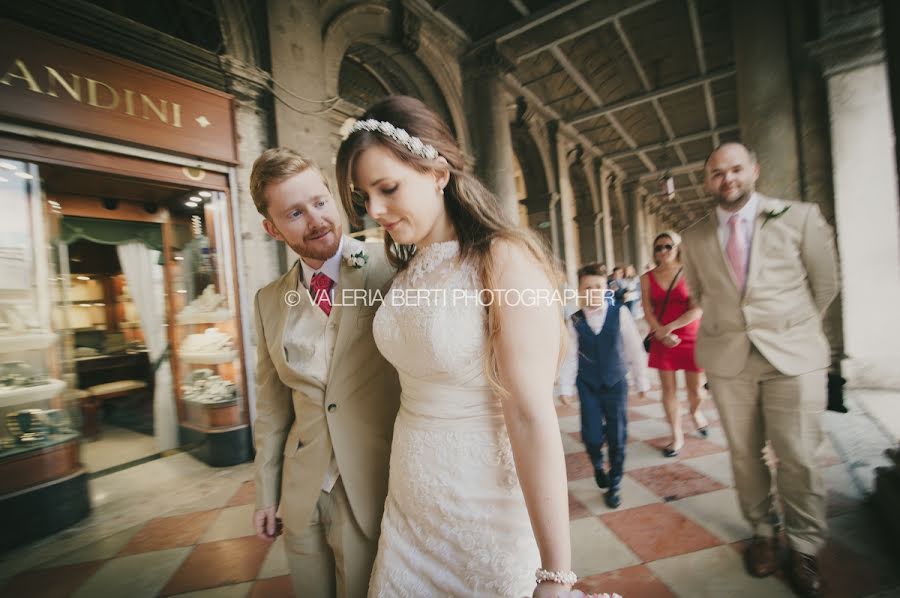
412 143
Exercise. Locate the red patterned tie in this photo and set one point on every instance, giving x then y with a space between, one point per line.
320 287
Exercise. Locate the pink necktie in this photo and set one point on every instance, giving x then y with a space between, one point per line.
320 287
736 250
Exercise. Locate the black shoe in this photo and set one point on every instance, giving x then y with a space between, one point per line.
601 478
670 451
612 498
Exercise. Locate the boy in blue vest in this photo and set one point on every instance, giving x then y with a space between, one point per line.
605 345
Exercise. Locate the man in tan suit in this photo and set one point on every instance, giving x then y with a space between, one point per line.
764 271
326 398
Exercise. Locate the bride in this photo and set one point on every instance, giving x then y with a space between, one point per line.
477 499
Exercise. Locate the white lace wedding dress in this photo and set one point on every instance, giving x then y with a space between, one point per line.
455 522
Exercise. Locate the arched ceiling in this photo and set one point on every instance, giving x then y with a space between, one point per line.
649 85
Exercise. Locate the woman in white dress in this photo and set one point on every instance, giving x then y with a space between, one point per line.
477 499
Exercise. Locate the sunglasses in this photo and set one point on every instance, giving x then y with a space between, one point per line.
667 247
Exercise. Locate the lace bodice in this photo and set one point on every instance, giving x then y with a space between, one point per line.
431 323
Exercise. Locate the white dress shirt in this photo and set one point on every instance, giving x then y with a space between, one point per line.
635 357
332 269
747 215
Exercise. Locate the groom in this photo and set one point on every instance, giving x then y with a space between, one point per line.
326 399
764 271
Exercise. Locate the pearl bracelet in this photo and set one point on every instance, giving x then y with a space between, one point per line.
563 577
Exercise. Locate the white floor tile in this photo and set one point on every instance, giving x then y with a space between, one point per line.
135 576
718 512
717 466
715 573
276 563
595 549
570 423
240 590
231 522
633 495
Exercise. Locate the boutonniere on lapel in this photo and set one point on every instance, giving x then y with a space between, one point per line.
774 209
355 255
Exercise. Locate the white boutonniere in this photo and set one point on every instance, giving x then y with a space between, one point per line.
355 255
774 209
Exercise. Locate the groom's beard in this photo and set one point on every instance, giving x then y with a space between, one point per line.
313 248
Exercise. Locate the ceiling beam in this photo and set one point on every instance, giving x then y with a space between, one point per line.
680 139
517 89
653 95
701 63
595 22
645 81
684 169
581 82
527 24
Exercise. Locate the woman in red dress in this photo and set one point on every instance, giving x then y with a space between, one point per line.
674 325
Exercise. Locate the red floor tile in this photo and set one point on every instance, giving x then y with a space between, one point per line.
274 586
578 466
221 563
576 436
658 531
55 582
633 582
566 410
693 447
674 481
635 401
576 509
170 532
246 495
636 416
828 460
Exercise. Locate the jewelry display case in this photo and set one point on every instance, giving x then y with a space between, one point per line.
206 339
43 486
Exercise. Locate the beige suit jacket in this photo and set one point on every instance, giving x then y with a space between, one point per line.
295 430
791 280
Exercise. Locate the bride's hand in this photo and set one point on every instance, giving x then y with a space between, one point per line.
547 589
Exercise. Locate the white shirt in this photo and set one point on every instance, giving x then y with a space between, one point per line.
635 356
748 225
332 269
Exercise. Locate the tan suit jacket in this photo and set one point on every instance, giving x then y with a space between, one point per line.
299 420
791 280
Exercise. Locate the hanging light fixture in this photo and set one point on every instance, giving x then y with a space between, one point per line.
667 185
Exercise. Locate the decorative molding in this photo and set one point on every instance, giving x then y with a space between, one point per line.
88 24
489 61
409 32
247 82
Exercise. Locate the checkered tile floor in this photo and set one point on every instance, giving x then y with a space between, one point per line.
677 533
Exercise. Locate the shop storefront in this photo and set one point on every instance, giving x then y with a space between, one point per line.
122 334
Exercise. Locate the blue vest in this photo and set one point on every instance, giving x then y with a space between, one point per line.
601 357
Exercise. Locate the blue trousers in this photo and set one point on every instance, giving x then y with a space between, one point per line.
604 419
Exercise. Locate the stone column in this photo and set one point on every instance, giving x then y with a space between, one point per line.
592 225
486 104
560 167
609 257
298 65
764 93
866 210
634 201
248 84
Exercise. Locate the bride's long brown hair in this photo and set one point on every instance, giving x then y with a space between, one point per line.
475 212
